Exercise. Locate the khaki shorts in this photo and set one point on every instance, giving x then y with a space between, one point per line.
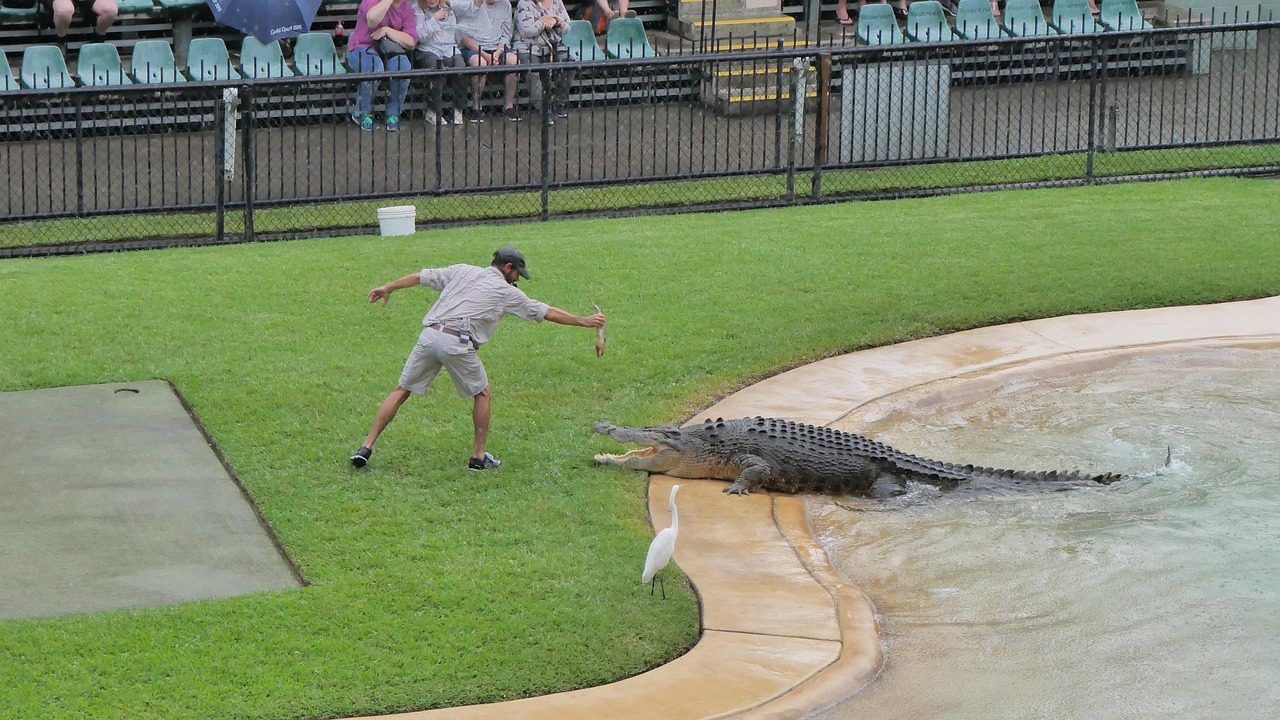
435 350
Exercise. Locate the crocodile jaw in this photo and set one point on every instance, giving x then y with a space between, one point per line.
649 459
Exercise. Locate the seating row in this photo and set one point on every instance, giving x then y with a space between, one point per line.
152 61
927 22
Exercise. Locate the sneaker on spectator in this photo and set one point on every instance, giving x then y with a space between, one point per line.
356 116
433 119
361 456
457 117
483 463
559 110
393 123
474 115
367 124
512 114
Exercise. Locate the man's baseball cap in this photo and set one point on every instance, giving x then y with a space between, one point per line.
505 255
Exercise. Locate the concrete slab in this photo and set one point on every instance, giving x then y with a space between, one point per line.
112 498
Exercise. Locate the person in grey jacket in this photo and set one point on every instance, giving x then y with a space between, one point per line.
437 48
540 29
484 34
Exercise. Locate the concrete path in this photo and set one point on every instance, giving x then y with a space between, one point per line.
111 497
784 635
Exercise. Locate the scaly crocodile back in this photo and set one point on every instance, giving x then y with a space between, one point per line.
814 458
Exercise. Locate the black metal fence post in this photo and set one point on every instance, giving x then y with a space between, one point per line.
780 114
79 154
1097 66
247 153
544 153
220 169
821 123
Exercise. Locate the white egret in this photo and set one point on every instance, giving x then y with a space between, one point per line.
660 550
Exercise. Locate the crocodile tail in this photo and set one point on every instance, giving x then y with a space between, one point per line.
936 470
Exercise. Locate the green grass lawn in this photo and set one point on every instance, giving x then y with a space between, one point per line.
432 586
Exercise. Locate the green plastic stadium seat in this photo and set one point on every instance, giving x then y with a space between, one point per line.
1073 17
7 80
926 22
259 60
208 60
582 43
44 67
878 26
315 54
153 63
1024 18
626 38
171 7
135 7
98 64
21 13
975 21
1122 15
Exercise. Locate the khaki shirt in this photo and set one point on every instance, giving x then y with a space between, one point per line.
475 299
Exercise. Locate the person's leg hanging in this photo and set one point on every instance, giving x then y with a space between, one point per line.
386 413
480 419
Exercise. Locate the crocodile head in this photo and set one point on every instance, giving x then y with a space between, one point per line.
664 447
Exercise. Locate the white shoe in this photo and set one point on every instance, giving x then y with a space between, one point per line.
457 117
432 119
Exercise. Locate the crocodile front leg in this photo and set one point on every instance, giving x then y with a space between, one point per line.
753 476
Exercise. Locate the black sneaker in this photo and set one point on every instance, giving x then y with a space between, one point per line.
511 114
361 457
484 463
474 115
559 110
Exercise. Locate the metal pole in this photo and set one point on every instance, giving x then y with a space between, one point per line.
220 171
1096 68
820 126
548 92
79 155
246 121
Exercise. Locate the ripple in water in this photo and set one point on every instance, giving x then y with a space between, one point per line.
1156 597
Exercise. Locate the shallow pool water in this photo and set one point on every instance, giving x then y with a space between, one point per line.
1156 597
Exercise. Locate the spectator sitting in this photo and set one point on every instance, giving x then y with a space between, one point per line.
386 31
540 26
484 33
102 13
438 47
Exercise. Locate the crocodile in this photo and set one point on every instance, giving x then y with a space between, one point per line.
784 456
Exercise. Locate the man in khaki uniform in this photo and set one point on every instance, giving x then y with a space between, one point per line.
472 302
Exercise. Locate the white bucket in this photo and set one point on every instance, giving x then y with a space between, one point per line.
397 220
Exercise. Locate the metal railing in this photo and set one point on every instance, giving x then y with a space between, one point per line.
197 162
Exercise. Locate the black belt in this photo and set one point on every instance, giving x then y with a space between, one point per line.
454 332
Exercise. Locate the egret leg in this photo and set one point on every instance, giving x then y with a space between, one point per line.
653 583
662 581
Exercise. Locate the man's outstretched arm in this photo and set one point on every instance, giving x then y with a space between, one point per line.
560 317
383 292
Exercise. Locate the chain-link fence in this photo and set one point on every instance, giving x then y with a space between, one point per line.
204 162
